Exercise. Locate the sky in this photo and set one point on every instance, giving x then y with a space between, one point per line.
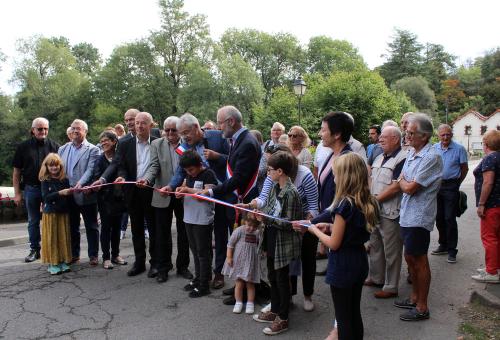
465 29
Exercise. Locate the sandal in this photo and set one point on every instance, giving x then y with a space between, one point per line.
107 264
119 260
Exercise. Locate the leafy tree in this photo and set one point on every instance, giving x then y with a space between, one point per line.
452 96
470 79
88 59
276 58
183 38
326 55
490 72
437 65
418 90
403 59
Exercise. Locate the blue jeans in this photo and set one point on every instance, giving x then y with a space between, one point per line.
33 199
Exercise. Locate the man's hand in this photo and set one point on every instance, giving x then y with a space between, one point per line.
142 183
78 186
480 211
18 198
298 225
204 192
119 180
95 184
180 190
211 155
165 190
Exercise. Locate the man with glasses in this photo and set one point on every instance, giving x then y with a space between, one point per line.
26 164
213 150
455 169
276 131
163 164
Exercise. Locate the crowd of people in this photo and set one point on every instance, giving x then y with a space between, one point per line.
363 209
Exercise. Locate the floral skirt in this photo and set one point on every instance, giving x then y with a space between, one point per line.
56 238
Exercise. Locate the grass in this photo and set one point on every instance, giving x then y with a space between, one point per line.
479 322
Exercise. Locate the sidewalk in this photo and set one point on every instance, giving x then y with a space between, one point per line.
14 233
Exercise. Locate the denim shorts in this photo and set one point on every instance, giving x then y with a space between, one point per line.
415 240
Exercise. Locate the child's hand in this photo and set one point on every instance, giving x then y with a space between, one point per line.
299 226
229 262
323 227
258 217
180 190
65 192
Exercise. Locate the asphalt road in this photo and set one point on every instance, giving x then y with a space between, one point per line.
93 303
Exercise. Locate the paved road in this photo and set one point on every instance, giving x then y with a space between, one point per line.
99 304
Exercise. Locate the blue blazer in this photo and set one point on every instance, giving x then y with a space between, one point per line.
213 140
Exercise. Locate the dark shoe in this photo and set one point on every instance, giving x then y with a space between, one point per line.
265 317
441 250
185 273
229 301
452 259
94 261
321 273
190 286
153 272
381 294
197 292
162 277
218 281
32 256
406 304
229 291
75 260
414 315
119 260
370 283
136 270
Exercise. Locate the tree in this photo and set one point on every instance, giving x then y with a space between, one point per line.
452 96
437 65
403 59
418 90
88 59
276 58
490 72
326 55
183 39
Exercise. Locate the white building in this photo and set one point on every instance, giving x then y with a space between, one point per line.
469 128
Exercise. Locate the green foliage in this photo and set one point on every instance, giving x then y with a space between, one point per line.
88 59
418 90
437 65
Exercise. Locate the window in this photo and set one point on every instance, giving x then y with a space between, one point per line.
483 129
468 130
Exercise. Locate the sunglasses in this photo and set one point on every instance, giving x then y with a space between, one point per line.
42 129
291 135
170 130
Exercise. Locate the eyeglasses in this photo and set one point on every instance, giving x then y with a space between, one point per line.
170 130
269 169
42 129
291 135
219 123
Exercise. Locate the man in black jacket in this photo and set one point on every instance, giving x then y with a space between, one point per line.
134 157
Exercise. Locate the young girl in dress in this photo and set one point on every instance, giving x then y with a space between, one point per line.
354 214
56 242
242 262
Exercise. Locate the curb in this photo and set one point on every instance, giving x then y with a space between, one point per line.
485 298
14 241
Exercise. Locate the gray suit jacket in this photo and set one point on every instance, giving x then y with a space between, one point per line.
160 171
83 169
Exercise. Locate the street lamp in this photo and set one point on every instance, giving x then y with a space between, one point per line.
299 88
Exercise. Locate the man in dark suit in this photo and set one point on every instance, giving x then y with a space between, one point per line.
242 163
213 149
133 156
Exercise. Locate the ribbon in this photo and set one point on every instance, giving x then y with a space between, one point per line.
197 196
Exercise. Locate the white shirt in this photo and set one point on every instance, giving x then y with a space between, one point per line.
142 154
321 155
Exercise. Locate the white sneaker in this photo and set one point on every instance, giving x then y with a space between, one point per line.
146 234
481 270
486 277
123 234
266 309
308 305
238 307
250 308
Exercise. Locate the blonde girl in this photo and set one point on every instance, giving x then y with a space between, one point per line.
56 243
354 213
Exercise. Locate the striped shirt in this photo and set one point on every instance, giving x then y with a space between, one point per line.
306 187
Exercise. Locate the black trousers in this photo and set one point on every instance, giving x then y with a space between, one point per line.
446 217
200 242
223 227
280 289
139 210
348 312
163 220
89 214
308 259
110 234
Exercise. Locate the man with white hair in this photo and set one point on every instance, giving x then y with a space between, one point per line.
26 164
163 164
79 158
213 149
276 131
386 244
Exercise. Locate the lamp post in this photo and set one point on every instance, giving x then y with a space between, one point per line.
299 88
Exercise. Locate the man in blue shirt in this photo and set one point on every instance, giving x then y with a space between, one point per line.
419 181
455 169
